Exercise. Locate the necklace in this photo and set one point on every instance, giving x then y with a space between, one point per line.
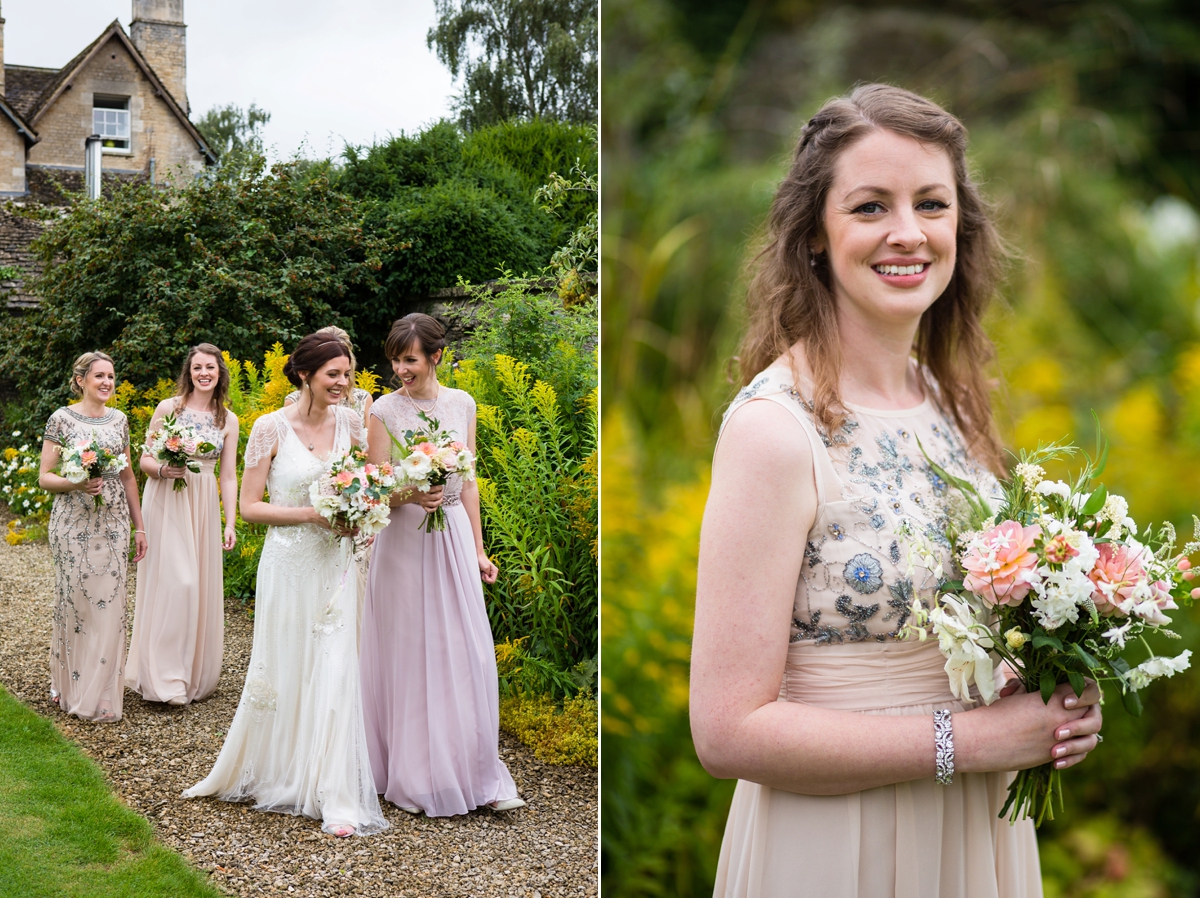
431 408
311 442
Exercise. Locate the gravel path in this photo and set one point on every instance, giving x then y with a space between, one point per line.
547 849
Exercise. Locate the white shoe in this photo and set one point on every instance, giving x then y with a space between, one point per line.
409 810
507 804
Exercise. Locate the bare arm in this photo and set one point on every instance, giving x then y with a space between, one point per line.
228 483
470 502
742 624
52 482
129 484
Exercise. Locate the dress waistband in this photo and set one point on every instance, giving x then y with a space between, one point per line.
451 501
866 676
207 465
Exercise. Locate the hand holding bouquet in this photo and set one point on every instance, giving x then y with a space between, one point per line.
353 495
1058 583
87 460
177 446
427 458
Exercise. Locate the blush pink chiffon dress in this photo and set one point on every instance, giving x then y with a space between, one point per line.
846 651
428 662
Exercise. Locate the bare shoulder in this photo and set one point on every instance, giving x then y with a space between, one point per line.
164 408
763 437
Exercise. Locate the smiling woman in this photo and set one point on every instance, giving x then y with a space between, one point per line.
864 359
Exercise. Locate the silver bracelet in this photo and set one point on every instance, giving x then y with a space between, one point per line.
160 471
943 743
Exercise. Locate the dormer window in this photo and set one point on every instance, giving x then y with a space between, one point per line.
110 119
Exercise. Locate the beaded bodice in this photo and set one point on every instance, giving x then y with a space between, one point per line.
204 423
454 410
873 482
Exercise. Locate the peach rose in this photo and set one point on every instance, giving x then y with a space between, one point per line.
1001 564
1115 575
87 458
427 449
344 478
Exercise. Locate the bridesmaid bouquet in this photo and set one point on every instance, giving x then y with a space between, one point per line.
427 458
177 445
87 460
1058 583
353 494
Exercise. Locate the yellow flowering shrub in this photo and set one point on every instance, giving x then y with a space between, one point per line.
563 734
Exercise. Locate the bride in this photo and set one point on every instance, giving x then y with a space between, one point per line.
297 742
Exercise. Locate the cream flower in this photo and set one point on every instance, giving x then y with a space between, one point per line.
964 642
1154 668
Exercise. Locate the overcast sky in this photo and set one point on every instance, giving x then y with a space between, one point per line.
330 73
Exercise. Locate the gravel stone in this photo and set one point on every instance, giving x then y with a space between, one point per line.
547 849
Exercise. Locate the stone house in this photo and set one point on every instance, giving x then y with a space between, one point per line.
131 89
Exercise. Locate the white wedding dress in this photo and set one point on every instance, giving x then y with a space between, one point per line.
297 742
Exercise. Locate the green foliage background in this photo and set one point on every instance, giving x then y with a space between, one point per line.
1082 119
251 256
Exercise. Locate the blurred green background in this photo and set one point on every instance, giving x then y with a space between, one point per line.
1085 125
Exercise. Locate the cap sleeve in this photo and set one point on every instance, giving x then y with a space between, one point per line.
264 437
354 425
56 429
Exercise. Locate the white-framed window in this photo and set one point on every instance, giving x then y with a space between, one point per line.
110 119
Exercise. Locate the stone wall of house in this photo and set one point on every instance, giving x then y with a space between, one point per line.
155 132
12 157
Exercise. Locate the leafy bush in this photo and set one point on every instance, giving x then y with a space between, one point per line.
562 734
517 318
538 493
450 206
147 273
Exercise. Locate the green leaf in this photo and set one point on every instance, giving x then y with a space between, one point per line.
1046 683
1085 656
1041 640
952 586
1132 702
1095 501
1119 666
1076 680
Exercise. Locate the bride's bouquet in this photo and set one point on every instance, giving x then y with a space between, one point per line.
427 458
353 494
87 460
1058 583
177 446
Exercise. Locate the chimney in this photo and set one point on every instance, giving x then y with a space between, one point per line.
159 34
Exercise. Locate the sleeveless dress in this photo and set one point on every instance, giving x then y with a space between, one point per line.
430 689
296 744
914 839
178 623
90 548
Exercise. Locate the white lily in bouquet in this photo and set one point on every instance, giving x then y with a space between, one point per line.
1057 582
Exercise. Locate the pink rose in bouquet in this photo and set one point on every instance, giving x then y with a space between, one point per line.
1001 565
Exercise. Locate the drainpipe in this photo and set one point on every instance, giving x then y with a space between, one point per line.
91 166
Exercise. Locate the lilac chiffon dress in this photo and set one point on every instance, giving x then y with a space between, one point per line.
429 685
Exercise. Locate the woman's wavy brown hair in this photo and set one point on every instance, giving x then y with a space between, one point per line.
789 299
184 386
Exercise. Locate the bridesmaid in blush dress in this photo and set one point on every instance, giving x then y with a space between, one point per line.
430 690
90 548
178 625
860 773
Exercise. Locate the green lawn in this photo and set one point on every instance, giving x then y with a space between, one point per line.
63 833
